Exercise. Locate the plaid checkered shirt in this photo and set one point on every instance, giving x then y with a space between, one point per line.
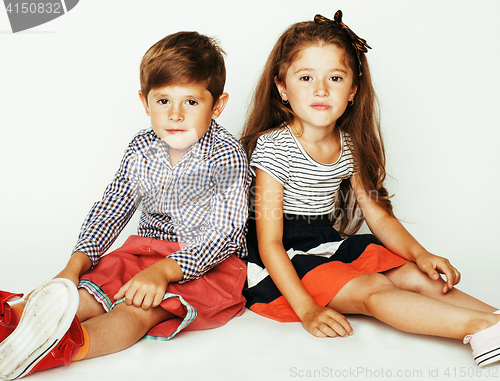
201 201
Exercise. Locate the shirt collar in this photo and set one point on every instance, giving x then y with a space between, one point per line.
202 148
157 149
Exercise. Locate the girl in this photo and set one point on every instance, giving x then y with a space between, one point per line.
316 152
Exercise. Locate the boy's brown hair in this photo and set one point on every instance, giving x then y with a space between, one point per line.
181 58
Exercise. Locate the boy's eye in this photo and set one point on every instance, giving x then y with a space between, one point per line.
162 101
305 78
192 102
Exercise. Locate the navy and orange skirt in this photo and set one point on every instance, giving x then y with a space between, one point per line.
323 260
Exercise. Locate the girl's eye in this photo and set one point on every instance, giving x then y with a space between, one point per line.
336 78
305 78
192 102
162 101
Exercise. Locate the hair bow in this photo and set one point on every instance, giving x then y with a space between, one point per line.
359 43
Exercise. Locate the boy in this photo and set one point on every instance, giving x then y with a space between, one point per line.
183 270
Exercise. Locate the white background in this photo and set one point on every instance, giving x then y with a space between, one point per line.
69 106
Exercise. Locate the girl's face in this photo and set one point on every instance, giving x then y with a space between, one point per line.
318 84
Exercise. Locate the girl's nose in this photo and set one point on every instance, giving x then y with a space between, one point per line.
321 90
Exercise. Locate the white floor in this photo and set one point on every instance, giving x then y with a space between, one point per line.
251 347
254 348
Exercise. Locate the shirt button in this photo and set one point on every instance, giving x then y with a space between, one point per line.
195 199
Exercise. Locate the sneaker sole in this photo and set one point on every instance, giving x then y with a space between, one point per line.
47 317
488 358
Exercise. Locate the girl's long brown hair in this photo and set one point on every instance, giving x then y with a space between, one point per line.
360 121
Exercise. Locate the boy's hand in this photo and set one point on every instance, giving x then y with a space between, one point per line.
147 288
78 264
63 274
74 277
325 322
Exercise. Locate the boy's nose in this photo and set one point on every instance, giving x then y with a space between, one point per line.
175 115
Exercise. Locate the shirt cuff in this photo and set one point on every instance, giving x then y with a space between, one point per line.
90 250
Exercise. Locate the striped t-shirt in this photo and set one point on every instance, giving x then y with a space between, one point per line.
309 187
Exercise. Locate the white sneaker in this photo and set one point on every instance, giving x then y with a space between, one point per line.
485 345
46 318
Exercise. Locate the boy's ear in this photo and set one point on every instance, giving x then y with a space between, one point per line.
144 101
281 89
220 105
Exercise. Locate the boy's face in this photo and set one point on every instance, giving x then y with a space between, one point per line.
181 114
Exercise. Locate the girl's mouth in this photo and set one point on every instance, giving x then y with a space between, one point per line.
321 106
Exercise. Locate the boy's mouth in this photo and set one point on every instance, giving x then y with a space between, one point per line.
175 131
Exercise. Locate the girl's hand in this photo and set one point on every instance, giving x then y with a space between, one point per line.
325 322
434 265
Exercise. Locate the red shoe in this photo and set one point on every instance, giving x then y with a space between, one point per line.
65 351
47 333
9 318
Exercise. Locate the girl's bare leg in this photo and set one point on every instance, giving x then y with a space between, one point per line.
409 277
376 295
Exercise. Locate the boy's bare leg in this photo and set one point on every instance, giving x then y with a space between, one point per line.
409 277
121 328
118 329
375 295
88 306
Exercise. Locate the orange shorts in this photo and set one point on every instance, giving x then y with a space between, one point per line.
207 302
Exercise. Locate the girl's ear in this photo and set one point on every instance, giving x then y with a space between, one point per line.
354 90
281 89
